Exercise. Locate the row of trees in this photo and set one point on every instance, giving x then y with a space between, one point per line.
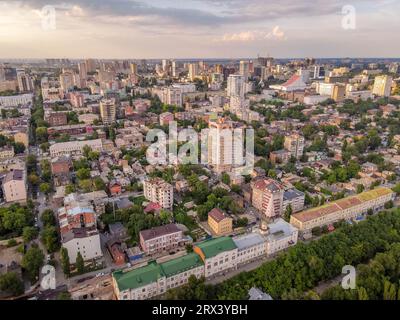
377 280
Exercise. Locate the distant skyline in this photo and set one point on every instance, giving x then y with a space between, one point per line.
184 29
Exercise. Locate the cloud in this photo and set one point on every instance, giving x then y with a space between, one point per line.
247 36
205 13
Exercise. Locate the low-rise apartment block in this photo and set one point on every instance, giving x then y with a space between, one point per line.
159 239
14 186
295 199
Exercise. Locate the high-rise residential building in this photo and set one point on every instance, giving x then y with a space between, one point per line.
267 196
90 65
220 145
108 110
339 92
172 96
2 74
175 68
167 66
393 68
265 61
82 73
244 69
319 72
294 143
235 85
25 83
134 68
382 86
67 81
219 68
193 71
158 191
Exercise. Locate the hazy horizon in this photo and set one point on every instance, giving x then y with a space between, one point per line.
200 29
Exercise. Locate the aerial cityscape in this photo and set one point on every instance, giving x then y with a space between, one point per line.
199 150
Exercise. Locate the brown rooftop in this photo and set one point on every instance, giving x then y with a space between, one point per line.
159 231
217 214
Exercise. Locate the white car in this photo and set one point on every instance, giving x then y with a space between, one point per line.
100 274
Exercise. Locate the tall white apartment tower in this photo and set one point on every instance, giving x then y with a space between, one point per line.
235 85
382 86
244 69
193 71
108 111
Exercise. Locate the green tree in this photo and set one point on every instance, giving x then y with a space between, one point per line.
225 178
362 294
80 263
288 212
32 262
69 188
65 264
11 284
41 135
49 238
29 233
389 290
48 218
83 173
45 188
64 296
19 147
99 184
33 179
85 185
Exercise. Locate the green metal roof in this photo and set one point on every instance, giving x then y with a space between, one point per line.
213 247
138 277
143 276
182 264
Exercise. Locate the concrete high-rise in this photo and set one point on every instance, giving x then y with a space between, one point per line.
267 196
67 81
235 85
382 86
193 71
90 65
244 69
294 143
25 83
108 110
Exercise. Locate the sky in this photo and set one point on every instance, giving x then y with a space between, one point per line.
134 29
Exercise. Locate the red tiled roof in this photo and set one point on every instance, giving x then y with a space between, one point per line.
152 206
291 81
